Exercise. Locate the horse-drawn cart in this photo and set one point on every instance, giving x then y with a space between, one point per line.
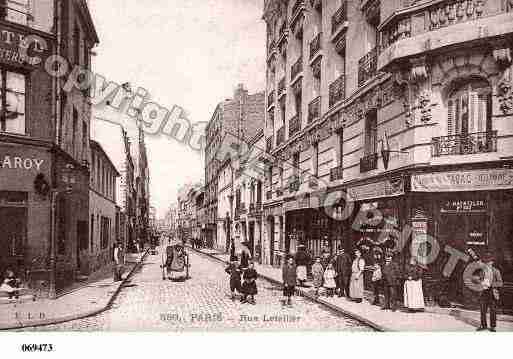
175 260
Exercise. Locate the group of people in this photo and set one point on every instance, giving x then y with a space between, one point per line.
10 284
243 280
344 276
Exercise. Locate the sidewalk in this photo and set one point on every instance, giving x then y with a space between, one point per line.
433 319
88 299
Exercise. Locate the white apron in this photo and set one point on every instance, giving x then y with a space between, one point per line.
413 296
301 272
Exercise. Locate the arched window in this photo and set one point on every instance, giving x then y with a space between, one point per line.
470 108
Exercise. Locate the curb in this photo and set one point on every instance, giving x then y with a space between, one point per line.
312 298
82 315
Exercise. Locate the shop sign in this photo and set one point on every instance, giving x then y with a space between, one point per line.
22 163
13 46
454 181
463 206
387 188
300 203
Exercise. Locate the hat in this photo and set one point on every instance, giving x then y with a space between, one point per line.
488 257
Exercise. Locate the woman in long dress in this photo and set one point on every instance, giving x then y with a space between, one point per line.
413 295
356 284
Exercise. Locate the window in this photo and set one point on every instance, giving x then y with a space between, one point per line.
315 159
371 133
340 135
469 108
105 232
295 163
61 118
85 139
282 110
12 91
15 11
76 44
86 55
74 133
82 235
92 233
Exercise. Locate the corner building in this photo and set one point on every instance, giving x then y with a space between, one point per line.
406 107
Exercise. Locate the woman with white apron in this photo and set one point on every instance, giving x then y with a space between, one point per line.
413 295
356 284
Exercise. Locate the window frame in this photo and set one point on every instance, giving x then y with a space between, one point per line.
3 99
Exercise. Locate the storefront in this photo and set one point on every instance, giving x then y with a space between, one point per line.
273 246
25 211
469 211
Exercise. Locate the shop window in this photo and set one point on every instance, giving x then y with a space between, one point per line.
12 91
469 108
15 11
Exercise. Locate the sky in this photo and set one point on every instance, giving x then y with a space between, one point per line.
188 53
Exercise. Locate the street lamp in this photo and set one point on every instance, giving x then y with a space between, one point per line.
69 179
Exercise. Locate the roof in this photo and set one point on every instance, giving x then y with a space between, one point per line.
96 146
84 8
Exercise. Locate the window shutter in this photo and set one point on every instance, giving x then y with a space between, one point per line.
481 118
450 117
473 119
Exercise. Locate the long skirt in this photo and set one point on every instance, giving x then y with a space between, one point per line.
413 296
356 287
301 272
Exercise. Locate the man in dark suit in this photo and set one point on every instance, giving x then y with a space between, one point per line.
391 277
491 281
342 264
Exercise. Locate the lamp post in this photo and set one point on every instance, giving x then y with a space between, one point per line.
69 179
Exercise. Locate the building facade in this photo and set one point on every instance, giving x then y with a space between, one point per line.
233 123
405 108
104 221
44 142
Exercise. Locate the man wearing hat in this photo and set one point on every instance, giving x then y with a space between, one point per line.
119 258
390 276
342 264
302 259
491 281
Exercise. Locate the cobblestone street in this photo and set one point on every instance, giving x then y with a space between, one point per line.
203 303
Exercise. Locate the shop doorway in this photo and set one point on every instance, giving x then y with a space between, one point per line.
13 228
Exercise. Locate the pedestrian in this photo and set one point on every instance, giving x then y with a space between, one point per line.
325 256
245 257
491 281
302 261
342 263
356 285
235 282
413 294
391 277
289 278
329 280
119 257
318 275
249 287
11 284
377 276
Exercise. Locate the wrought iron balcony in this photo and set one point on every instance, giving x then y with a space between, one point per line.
281 87
367 66
297 68
336 173
315 45
295 125
269 144
369 163
465 144
294 184
339 18
337 90
280 136
314 109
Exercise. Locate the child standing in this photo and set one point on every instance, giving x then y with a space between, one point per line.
234 272
317 273
249 287
329 279
289 277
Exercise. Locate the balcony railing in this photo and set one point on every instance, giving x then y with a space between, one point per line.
269 144
280 136
295 125
438 15
314 109
270 98
281 87
294 184
315 45
465 144
339 17
367 66
369 163
336 173
337 90
297 68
